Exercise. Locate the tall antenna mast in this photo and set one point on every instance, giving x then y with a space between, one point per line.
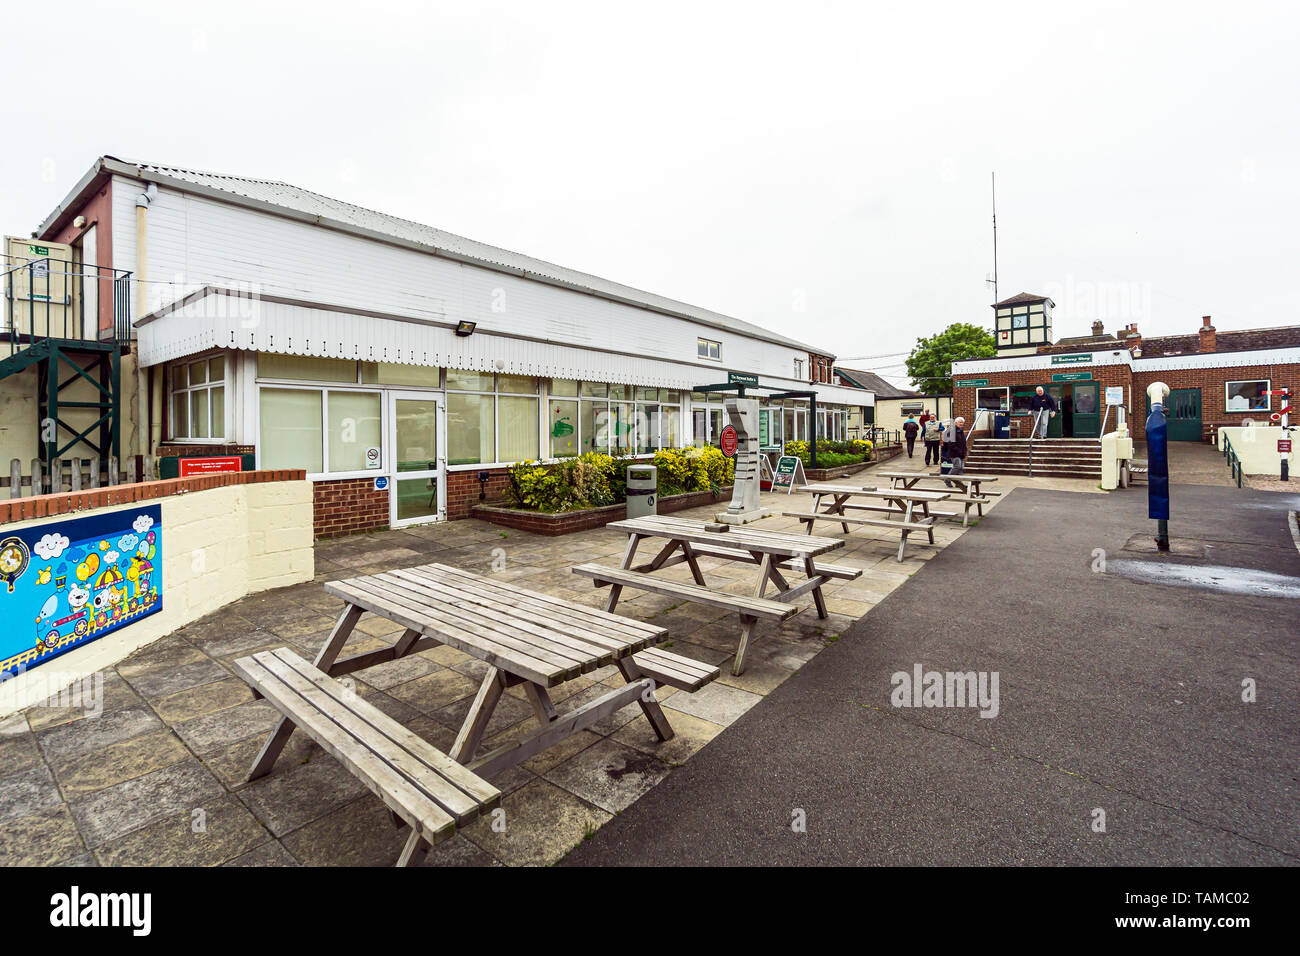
995 236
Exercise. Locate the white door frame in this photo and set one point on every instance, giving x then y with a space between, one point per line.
438 474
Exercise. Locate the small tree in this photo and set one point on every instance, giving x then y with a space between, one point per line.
930 364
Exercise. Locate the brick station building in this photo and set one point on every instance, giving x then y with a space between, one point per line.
1215 378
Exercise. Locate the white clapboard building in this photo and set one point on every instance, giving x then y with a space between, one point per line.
272 321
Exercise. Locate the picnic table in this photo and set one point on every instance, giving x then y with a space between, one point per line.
524 637
969 487
688 540
912 507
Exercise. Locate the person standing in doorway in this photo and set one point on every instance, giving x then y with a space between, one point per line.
1043 409
910 430
932 435
955 440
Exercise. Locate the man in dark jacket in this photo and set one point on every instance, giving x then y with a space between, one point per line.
1043 407
910 430
954 442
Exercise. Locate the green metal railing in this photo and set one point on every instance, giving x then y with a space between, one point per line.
1230 454
46 298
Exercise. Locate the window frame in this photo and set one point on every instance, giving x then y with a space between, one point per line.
173 390
705 353
325 389
1268 399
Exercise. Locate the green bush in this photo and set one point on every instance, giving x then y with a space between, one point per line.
831 454
592 480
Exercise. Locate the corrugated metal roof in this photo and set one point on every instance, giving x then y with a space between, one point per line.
367 221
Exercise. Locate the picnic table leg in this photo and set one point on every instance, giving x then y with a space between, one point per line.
329 652
653 712
902 538
691 562
417 847
616 590
543 707
747 621
839 509
818 597
817 503
480 712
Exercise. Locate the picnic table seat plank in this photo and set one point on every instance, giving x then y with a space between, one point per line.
760 607
420 785
674 669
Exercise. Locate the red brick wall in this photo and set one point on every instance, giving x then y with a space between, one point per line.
1211 382
463 490
70 502
348 506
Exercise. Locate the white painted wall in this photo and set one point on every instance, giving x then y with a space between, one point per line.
1256 446
196 241
218 546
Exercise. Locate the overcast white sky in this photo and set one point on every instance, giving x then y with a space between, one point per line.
820 169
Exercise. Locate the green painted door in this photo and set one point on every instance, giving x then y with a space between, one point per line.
1184 414
1087 410
1058 420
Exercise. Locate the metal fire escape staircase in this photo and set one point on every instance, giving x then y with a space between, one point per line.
46 325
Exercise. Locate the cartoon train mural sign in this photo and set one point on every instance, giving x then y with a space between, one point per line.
66 584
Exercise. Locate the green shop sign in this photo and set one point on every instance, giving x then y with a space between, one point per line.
973 383
741 378
1072 377
1075 359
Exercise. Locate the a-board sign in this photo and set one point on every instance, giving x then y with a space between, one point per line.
787 467
208 466
728 441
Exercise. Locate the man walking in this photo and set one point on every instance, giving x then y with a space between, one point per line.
955 440
1043 407
932 435
910 429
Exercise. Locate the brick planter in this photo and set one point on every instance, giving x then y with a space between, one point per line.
567 522
877 455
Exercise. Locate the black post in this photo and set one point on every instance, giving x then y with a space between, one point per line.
812 430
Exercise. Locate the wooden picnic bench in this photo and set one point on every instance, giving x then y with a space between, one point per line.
969 488
525 637
911 507
421 786
689 540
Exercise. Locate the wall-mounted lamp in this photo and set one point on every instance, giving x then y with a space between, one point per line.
465 327
483 477
79 222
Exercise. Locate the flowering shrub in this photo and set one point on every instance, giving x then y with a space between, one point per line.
593 479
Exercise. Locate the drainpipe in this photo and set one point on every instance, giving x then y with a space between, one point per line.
143 431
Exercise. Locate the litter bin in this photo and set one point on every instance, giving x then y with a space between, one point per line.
642 485
1001 425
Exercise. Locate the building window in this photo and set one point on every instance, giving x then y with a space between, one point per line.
325 431
491 418
709 349
1247 396
993 399
798 369
198 411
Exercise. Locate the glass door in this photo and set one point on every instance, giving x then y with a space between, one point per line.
417 491
1086 409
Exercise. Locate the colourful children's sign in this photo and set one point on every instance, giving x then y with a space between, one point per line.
63 585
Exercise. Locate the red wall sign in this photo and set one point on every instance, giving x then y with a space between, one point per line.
206 466
728 440
1283 444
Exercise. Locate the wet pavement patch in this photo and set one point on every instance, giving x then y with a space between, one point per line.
1226 580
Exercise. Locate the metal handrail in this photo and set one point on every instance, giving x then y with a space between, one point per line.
1234 462
30 313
